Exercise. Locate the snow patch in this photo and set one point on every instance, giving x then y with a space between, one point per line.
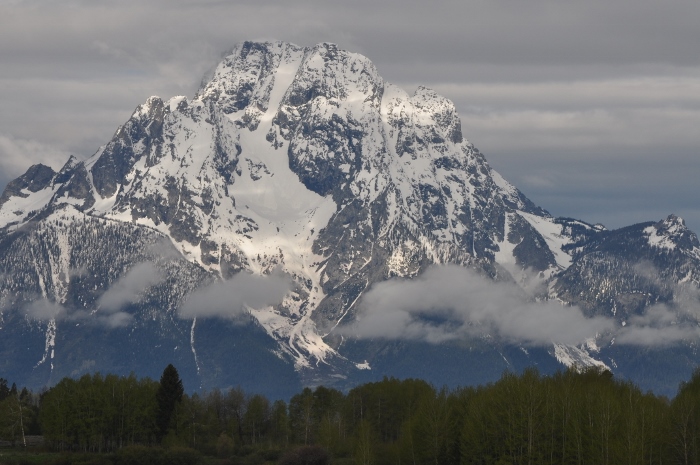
18 209
553 236
363 366
576 358
49 345
658 240
505 254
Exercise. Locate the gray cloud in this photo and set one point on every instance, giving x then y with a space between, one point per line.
615 151
664 324
451 302
646 269
129 288
45 310
660 325
230 299
116 319
164 249
687 298
16 155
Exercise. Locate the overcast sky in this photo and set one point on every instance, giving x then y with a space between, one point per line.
591 108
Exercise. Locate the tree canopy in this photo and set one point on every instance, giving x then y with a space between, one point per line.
571 417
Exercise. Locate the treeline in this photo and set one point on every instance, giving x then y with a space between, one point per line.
528 418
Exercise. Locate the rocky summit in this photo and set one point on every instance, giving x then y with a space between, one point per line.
250 235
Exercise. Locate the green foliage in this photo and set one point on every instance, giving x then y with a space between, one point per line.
306 455
279 424
365 444
567 418
685 422
301 417
137 455
224 446
141 455
53 458
18 413
180 456
256 419
98 414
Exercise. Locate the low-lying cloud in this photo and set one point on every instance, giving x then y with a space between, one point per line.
451 303
45 310
664 324
659 326
232 298
129 289
109 313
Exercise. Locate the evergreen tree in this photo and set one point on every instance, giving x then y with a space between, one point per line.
4 390
168 396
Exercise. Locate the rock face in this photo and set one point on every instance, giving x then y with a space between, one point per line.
305 161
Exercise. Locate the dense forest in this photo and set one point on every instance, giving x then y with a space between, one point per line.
567 418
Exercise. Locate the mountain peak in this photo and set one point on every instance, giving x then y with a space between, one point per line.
673 222
671 233
303 160
36 178
151 106
441 110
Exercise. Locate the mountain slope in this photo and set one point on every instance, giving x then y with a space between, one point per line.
295 160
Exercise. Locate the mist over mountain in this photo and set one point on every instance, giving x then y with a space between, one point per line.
301 221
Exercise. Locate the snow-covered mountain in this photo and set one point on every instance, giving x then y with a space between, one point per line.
301 162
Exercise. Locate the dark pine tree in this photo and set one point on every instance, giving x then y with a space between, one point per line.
4 390
169 394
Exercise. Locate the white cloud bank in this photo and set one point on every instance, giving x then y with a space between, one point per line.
445 303
450 303
127 290
130 288
659 326
232 298
45 310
